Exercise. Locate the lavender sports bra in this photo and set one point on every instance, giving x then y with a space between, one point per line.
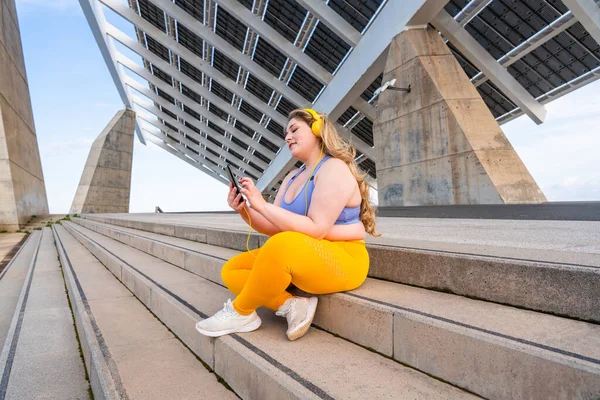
349 215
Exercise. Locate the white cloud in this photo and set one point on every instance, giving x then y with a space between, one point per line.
562 153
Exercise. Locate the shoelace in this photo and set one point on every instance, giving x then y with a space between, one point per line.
226 311
289 312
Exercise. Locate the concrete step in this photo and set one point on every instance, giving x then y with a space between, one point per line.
127 350
12 278
561 288
41 334
10 243
263 364
40 221
505 352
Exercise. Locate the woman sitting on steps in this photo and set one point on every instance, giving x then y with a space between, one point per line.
317 224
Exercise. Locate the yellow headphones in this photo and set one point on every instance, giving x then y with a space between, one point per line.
317 125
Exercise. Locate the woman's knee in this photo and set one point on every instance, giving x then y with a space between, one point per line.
233 265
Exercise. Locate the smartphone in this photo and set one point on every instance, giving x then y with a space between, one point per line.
232 179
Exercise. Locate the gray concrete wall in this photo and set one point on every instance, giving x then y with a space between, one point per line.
106 179
22 190
440 144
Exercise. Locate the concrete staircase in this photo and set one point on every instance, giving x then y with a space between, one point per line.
38 222
426 324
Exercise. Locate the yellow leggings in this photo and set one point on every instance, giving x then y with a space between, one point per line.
314 266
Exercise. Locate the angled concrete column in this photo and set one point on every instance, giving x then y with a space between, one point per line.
439 144
22 190
106 180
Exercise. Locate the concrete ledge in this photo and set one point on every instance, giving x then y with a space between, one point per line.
262 356
7 354
564 211
101 380
441 342
561 289
566 290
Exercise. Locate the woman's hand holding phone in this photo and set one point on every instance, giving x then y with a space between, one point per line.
235 199
252 194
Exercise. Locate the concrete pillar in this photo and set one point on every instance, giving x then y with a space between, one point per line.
106 180
439 144
22 190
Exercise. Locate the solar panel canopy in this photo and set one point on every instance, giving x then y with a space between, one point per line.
217 80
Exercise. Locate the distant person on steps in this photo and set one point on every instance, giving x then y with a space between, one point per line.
317 226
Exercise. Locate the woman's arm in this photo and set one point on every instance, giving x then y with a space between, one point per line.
256 220
335 187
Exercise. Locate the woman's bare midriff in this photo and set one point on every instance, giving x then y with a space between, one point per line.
346 232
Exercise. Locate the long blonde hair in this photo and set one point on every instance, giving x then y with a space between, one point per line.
337 147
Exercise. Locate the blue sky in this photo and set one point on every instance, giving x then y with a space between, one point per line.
73 98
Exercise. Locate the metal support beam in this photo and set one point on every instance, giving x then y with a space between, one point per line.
470 11
554 94
203 113
160 143
239 57
191 58
95 18
360 69
588 13
183 144
151 108
332 20
207 34
239 11
217 101
558 26
468 46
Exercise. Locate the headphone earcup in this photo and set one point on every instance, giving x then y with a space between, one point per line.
317 127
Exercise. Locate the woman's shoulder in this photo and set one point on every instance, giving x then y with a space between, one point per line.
335 165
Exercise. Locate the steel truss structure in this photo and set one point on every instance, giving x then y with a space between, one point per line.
220 77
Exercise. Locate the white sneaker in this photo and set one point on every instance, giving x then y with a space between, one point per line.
228 321
299 312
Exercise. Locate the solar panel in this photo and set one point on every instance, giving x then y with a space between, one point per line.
193 7
326 48
189 40
216 128
221 91
230 29
364 130
256 167
190 94
191 71
191 139
259 89
368 166
158 48
261 157
250 111
499 28
357 13
165 96
276 129
285 106
244 129
268 57
268 144
225 65
285 17
305 84
152 14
